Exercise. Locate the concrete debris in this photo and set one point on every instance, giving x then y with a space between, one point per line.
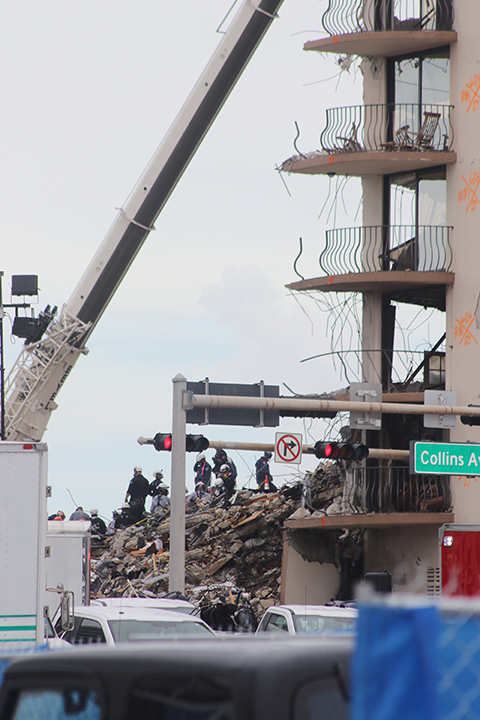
230 550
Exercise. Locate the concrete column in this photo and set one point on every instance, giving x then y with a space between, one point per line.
177 494
374 93
372 338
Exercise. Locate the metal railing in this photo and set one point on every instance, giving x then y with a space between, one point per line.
394 128
352 16
391 489
377 248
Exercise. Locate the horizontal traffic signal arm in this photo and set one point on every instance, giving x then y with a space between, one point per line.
374 453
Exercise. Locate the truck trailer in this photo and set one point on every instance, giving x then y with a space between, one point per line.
23 538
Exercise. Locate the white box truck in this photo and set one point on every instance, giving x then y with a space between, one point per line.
68 562
23 540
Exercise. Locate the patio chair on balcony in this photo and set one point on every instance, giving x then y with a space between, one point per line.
350 144
402 256
421 140
413 23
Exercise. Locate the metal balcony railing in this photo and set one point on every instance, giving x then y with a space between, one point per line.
393 128
386 247
391 489
352 16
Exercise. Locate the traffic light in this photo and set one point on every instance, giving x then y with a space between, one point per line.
162 441
470 419
340 451
196 443
193 443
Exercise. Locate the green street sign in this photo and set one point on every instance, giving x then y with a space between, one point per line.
444 458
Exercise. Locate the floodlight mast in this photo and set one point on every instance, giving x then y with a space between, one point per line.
42 368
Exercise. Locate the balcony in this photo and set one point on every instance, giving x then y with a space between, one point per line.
381 496
375 27
409 263
379 140
397 247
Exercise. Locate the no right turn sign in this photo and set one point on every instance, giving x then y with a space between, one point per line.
288 448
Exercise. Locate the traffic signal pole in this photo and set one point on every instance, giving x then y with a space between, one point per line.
184 400
176 580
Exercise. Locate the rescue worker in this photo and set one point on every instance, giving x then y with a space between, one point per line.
202 470
98 526
217 488
156 482
262 469
59 515
160 502
225 475
198 497
111 529
123 519
220 458
137 491
79 514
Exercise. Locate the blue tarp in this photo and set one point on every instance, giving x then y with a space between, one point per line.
395 674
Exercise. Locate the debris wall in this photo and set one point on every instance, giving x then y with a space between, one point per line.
238 548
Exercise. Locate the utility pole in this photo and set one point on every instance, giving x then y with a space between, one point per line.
2 364
29 328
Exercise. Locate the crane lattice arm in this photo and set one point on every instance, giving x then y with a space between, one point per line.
42 368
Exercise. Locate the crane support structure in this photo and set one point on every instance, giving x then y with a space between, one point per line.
42 368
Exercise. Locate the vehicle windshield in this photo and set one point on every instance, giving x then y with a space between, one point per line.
140 630
305 624
73 704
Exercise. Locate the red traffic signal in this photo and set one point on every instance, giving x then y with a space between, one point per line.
340 451
328 450
162 441
193 443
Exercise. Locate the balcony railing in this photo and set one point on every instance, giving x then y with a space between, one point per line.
393 128
391 489
386 247
352 16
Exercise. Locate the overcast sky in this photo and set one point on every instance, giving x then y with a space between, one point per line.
88 92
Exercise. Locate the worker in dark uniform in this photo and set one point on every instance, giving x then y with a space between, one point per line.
220 458
123 518
226 476
202 470
137 491
262 470
98 526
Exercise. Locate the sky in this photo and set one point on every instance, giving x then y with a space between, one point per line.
89 90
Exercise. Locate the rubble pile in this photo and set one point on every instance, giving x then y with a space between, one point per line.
227 550
326 490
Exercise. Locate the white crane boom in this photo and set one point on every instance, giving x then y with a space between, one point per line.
42 368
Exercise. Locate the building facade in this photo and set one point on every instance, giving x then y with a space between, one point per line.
414 143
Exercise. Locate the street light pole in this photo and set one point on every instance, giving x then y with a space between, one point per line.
2 365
